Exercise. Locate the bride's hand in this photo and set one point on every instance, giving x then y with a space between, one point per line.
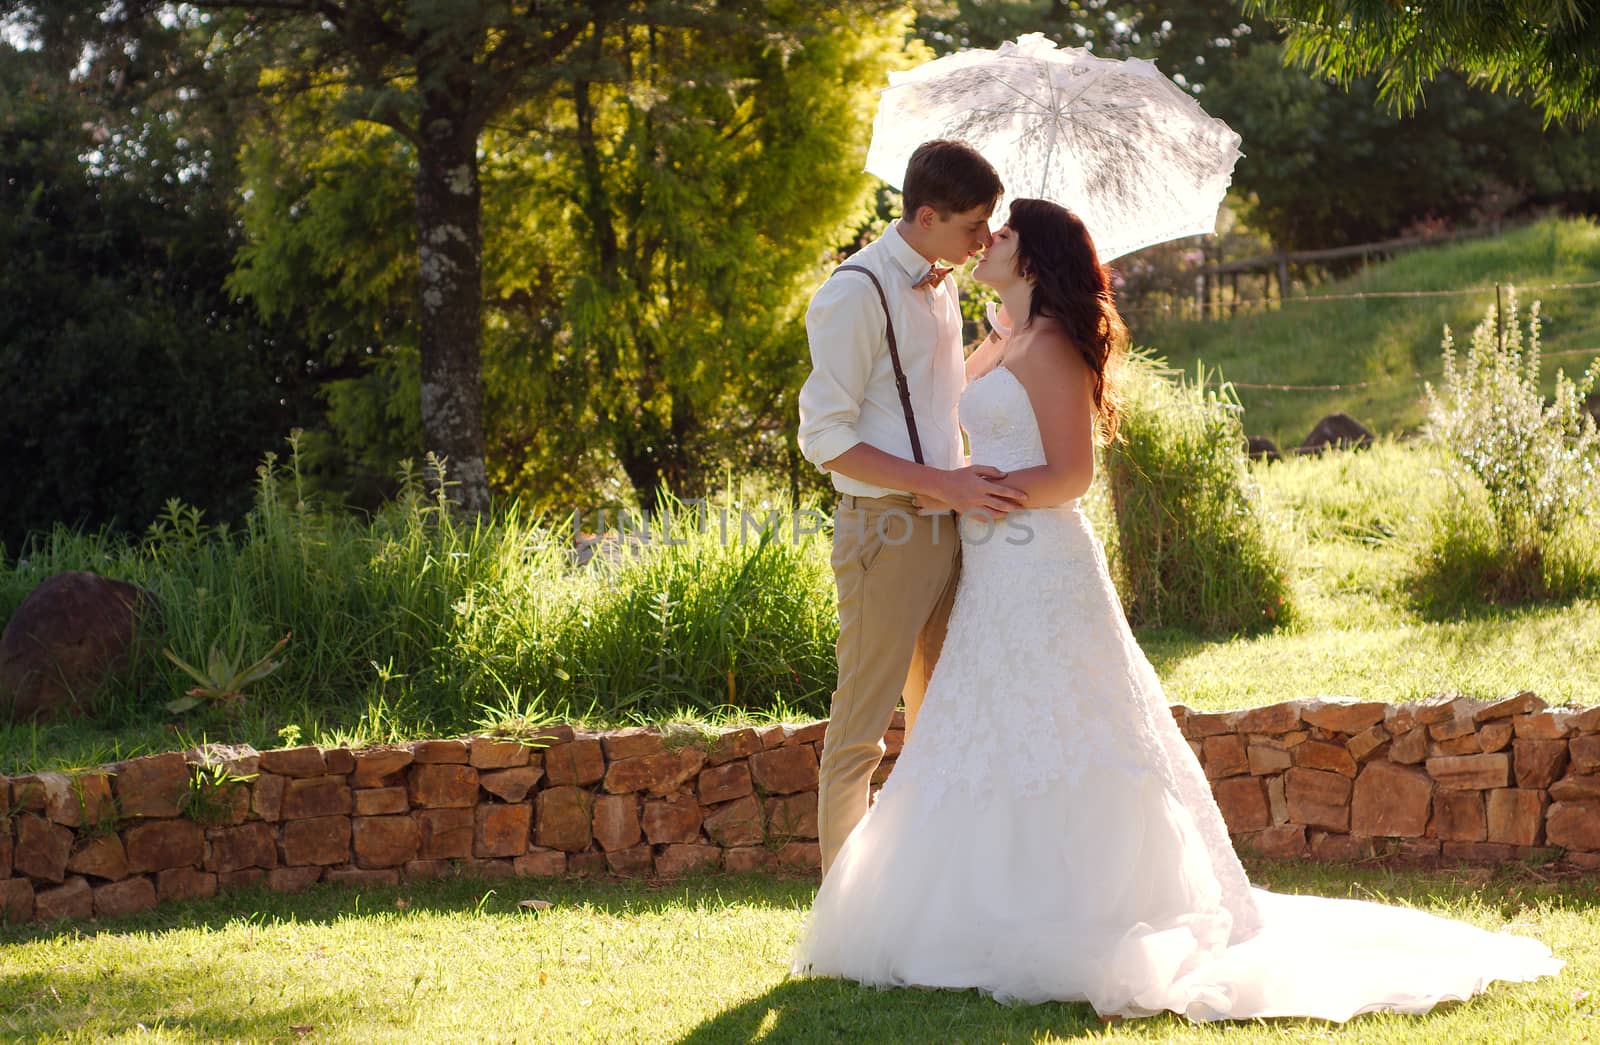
976 488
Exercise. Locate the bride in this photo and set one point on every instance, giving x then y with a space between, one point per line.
1047 834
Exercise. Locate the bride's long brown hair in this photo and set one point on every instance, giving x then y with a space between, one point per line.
1072 287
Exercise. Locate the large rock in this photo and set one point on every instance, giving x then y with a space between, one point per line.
1343 716
1471 772
1224 756
1260 448
306 760
794 817
659 774
380 767
69 635
306 797
102 857
736 823
677 859
1538 763
434 785
510 785
734 744
1321 754
186 883
316 840
577 762
16 900
1339 431
124 897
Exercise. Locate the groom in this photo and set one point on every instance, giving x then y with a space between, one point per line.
878 412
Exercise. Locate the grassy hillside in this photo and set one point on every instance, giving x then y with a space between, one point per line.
1387 347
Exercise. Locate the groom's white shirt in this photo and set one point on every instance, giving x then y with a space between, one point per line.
850 396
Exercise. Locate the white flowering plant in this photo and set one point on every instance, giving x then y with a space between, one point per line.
1525 470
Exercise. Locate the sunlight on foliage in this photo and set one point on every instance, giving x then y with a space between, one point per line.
1525 472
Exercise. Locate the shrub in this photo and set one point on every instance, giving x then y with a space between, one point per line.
1193 547
1520 523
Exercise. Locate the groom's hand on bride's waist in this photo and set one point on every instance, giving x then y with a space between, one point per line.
973 490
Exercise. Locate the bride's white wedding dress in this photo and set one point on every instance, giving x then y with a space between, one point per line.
1047 833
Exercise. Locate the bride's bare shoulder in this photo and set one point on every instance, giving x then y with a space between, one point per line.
1049 352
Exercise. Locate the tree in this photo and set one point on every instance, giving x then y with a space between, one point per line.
434 73
131 376
1543 49
1323 166
710 179
651 234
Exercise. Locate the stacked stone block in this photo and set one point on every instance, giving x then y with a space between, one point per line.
629 802
1448 779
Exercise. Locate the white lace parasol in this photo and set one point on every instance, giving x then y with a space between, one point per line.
1115 142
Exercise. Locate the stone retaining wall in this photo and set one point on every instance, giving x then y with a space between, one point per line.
1448 779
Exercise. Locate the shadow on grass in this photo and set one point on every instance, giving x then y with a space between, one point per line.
67 996
1441 602
1168 647
821 1010
324 903
829 1010
1509 887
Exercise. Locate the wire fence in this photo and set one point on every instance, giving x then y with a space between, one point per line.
1188 309
1274 303
1392 378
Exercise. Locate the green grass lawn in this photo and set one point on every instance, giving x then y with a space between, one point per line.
702 960
1352 524
1383 344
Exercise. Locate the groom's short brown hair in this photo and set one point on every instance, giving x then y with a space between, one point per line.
951 177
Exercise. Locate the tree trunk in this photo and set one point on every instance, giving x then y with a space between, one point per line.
450 246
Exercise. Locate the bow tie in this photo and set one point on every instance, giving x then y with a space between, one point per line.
935 276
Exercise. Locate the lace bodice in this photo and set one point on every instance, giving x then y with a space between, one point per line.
1000 434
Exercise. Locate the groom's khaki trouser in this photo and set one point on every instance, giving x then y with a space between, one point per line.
896 571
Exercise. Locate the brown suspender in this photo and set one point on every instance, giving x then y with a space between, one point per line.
894 357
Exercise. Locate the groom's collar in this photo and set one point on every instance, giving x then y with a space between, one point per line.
905 255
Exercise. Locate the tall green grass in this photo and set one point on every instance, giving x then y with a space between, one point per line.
1380 350
413 622
1194 546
